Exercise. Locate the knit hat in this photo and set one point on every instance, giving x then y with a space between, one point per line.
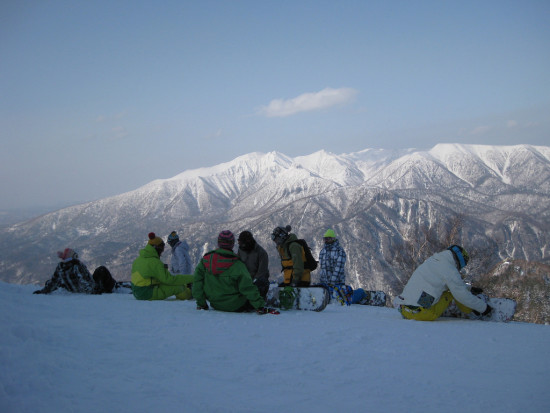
329 234
154 240
226 240
66 254
173 238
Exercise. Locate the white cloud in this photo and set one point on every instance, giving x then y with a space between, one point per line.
308 101
214 135
480 130
119 132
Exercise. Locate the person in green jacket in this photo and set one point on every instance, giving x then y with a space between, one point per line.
222 279
151 279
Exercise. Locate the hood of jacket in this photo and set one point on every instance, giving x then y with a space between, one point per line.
149 252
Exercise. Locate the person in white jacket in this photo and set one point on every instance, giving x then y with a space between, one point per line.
435 284
180 263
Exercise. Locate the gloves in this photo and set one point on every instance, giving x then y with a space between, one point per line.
266 310
202 307
486 313
476 290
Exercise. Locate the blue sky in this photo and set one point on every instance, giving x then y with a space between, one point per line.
101 97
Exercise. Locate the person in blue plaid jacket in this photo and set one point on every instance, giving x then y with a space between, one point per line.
332 259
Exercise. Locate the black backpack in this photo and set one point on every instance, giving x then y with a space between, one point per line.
104 281
310 263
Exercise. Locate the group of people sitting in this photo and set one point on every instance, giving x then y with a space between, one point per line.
239 282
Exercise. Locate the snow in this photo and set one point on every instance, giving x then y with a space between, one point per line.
84 353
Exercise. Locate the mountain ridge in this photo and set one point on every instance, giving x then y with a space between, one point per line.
378 201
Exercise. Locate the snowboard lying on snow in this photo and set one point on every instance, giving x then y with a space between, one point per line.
370 297
503 310
313 298
346 295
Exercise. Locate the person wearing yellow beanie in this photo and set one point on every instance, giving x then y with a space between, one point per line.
332 259
151 280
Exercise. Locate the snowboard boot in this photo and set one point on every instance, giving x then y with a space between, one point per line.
287 297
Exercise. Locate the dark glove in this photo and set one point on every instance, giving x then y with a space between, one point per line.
202 307
262 310
476 290
487 311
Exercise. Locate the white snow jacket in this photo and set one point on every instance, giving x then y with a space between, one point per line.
432 278
180 263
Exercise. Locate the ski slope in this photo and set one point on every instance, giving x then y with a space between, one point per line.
80 353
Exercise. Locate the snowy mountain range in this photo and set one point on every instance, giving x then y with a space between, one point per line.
385 206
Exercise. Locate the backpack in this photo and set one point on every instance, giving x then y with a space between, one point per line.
310 263
104 281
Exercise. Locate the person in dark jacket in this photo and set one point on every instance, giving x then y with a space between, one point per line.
70 274
223 280
256 260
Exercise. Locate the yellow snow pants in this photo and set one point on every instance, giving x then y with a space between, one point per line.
434 312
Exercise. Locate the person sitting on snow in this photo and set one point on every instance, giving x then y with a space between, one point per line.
435 284
222 279
180 263
151 280
70 274
256 260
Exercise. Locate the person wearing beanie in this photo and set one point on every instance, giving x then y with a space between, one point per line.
292 256
70 274
435 284
256 260
180 262
332 260
151 280
222 279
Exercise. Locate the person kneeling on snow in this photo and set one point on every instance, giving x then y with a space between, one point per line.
70 274
151 280
222 278
435 284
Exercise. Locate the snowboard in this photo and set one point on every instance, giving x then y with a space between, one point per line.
376 298
314 298
345 295
503 310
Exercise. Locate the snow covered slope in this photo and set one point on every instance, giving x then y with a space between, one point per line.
78 353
